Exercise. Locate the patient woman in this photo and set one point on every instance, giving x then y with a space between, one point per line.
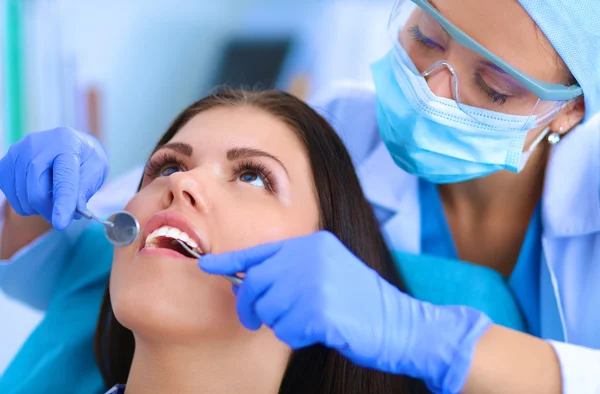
235 169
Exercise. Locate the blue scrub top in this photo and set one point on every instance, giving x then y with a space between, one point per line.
58 357
524 282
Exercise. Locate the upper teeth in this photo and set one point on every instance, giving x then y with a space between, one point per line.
174 233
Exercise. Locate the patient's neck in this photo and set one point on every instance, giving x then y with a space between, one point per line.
214 367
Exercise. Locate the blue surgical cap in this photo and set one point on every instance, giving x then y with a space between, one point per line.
573 29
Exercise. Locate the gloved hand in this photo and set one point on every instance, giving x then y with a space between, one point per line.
313 290
49 173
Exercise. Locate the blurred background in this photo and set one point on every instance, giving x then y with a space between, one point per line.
123 70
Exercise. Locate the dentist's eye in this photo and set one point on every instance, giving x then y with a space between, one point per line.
494 96
419 37
255 174
163 165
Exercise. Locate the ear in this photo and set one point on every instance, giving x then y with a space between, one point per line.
569 117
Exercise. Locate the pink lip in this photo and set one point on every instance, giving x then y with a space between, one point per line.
177 220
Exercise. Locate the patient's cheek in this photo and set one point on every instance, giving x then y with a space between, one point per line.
244 231
146 203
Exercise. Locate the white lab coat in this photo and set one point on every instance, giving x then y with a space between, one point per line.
570 266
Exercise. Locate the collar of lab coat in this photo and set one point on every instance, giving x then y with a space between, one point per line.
571 198
385 184
391 189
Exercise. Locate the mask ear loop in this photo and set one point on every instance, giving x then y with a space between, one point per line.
554 137
525 155
539 139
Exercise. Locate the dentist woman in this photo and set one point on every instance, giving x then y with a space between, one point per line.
478 143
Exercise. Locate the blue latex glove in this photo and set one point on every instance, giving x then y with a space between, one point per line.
313 290
49 173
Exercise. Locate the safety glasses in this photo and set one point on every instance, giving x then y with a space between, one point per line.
432 47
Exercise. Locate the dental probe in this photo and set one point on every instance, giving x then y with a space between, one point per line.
233 279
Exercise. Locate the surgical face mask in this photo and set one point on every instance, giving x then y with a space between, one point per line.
432 138
478 78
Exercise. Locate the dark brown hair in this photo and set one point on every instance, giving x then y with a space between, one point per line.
344 211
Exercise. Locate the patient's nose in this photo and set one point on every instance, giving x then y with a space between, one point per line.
190 188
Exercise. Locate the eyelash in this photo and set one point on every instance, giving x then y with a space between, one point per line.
418 36
158 164
165 161
260 169
493 95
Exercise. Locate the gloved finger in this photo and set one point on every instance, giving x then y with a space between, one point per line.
91 178
231 263
65 189
39 187
7 183
21 168
93 172
245 311
275 302
256 283
291 327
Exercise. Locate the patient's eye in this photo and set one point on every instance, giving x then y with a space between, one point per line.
168 170
163 165
252 178
255 174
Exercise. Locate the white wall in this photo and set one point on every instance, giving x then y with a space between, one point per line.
149 59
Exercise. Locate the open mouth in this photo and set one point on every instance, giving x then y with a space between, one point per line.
168 237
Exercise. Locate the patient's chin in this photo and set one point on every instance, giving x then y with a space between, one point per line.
163 312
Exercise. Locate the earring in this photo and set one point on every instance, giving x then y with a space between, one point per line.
554 138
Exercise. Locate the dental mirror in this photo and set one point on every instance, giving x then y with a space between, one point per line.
121 228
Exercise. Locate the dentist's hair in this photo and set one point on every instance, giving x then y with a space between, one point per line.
344 211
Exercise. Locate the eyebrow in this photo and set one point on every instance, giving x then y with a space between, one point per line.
239 153
245 153
180 147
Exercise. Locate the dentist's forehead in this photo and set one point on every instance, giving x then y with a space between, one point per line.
505 28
